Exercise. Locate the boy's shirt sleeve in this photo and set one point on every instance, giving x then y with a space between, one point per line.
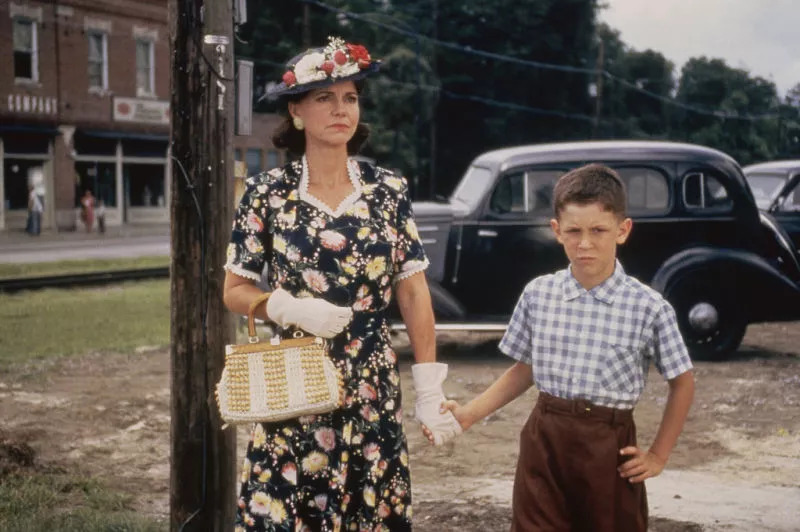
671 357
517 342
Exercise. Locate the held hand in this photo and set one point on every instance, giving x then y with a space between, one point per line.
458 411
311 314
642 465
440 424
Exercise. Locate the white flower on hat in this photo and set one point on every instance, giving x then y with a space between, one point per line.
347 69
308 68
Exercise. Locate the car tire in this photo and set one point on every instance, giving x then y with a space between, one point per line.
708 316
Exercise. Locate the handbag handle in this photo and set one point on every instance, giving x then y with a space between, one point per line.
251 316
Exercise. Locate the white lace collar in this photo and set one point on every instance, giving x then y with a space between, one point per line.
353 172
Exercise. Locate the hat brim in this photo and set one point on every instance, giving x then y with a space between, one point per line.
281 89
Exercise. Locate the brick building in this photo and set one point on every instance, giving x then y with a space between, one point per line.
84 105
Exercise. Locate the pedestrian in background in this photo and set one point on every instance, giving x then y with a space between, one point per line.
101 216
87 210
35 208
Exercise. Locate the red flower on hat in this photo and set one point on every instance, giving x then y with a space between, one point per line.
328 67
359 54
289 78
340 57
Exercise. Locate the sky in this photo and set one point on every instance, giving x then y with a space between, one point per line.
760 36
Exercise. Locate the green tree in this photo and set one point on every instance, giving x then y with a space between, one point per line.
789 125
470 118
712 84
628 112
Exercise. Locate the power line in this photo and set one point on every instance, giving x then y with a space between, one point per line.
452 46
718 113
458 96
699 110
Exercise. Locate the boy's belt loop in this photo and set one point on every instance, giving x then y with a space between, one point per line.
583 408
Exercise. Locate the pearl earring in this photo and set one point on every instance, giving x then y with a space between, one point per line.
298 123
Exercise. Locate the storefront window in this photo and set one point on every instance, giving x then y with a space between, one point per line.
273 159
15 180
144 185
253 159
97 177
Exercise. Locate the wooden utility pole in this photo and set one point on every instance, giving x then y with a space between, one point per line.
202 465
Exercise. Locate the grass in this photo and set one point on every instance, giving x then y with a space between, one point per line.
49 323
40 269
54 501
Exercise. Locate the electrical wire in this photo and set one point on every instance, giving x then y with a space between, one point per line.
453 46
458 96
517 107
546 66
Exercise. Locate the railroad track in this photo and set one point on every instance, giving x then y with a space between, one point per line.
82 279
158 272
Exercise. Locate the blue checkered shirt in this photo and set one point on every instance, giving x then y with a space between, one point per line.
595 344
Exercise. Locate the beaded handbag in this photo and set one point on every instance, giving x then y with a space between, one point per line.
276 379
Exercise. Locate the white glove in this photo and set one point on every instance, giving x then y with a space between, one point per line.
311 314
428 379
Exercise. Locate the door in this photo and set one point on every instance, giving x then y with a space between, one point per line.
511 242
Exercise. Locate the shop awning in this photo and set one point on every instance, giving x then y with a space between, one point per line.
39 129
107 134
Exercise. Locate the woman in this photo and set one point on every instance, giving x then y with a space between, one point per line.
87 209
339 239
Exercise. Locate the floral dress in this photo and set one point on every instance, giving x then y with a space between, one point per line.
347 470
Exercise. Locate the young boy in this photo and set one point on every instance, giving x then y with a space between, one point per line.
586 336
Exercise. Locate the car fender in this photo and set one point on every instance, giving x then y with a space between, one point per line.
714 259
763 291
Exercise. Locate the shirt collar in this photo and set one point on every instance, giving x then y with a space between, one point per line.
605 291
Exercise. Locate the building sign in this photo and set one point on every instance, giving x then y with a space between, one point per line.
138 110
25 103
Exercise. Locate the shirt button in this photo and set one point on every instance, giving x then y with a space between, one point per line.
572 380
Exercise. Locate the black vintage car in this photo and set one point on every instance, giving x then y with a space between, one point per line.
776 187
698 237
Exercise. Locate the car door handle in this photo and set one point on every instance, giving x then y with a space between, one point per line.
488 233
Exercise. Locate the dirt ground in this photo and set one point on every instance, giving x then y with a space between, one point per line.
736 467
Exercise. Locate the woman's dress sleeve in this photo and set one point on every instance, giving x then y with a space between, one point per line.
410 256
249 244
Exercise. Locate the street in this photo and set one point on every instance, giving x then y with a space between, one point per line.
117 243
735 467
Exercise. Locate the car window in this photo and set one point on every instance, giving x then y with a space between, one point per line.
526 192
473 186
647 189
791 202
509 194
540 190
704 191
765 187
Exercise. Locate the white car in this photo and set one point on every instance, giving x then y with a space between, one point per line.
776 187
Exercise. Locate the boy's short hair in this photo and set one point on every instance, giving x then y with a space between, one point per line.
589 184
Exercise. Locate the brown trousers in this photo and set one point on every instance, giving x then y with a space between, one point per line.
567 477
